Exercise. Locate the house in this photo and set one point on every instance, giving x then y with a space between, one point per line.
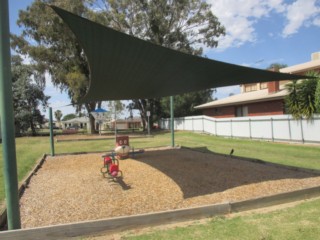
258 99
129 123
76 123
46 124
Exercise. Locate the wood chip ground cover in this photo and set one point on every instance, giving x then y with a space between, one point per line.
71 188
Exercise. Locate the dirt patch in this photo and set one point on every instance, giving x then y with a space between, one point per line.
71 188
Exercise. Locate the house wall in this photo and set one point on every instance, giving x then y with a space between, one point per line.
275 107
220 112
266 108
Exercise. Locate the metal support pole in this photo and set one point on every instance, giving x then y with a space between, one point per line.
148 125
172 121
51 132
115 121
7 123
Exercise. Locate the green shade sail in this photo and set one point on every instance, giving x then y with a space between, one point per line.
125 67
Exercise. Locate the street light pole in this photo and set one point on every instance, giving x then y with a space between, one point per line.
7 122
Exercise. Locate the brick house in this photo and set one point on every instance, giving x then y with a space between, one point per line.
258 99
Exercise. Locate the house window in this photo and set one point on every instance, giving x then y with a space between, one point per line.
241 111
250 87
263 85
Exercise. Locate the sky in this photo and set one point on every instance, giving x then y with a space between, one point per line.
258 33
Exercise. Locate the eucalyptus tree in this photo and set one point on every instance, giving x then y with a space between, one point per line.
276 66
28 96
53 48
185 103
183 25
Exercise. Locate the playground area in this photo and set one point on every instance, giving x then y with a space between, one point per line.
71 188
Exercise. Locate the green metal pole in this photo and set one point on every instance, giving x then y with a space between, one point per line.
51 131
172 121
7 122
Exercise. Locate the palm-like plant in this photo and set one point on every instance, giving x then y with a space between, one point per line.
302 95
58 115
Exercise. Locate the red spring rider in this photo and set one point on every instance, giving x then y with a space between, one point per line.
111 166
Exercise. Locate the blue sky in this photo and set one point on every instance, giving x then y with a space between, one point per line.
259 33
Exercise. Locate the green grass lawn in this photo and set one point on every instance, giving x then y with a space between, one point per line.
293 223
30 149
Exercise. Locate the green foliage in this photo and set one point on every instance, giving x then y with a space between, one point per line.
28 96
301 101
116 107
58 115
53 48
182 25
276 66
184 104
186 26
143 105
69 116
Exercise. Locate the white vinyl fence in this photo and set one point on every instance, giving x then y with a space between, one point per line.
271 128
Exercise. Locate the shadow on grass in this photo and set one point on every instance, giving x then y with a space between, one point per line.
199 171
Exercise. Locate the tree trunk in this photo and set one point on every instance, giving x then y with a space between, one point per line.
141 104
91 107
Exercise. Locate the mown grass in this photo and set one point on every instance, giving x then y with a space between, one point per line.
298 155
294 223
30 149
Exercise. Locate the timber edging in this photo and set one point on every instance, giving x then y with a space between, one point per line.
112 225
23 186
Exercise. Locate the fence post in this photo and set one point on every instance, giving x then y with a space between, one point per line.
272 135
301 130
215 126
250 128
289 125
231 127
192 124
203 124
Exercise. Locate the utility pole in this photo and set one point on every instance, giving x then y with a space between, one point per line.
7 122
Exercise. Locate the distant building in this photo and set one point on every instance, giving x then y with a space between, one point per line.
258 99
130 123
76 123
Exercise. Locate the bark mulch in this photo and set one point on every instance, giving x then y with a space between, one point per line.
71 188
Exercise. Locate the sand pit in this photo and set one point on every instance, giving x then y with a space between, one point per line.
71 188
